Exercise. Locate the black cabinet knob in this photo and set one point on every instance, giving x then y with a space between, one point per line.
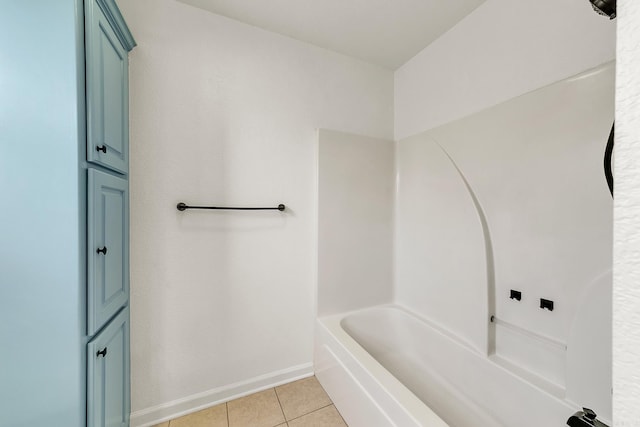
102 148
102 352
102 250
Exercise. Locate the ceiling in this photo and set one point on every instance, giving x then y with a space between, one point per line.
383 32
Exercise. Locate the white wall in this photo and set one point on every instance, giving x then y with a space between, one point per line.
534 164
504 49
501 50
225 113
440 254
205 128
355 227
626 294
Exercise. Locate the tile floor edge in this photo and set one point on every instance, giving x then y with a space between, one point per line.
196 402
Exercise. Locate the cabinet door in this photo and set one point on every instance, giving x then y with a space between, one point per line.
108 247
108 393
107 93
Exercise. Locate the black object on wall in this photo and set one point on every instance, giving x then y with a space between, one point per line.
605 7
546 304
608 154
585 418
182 207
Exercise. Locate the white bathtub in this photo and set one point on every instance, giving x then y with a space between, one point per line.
382 366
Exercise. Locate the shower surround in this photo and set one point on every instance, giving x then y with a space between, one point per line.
512 198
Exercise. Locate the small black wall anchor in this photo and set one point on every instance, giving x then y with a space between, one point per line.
516 295
545 303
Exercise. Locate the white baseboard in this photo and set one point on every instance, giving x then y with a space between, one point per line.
196 402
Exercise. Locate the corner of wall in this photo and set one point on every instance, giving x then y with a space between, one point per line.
626 271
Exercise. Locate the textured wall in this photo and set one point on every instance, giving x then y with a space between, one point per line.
225 113
503 49
626 294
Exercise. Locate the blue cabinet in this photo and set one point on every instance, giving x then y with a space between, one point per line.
107 247
107 43
64 63
107 89
108 375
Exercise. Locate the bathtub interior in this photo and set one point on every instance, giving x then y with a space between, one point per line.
509 198
462 386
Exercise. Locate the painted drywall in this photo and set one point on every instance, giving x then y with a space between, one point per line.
626 294
355 227
377 31
42 302
223 113
175 35
503 49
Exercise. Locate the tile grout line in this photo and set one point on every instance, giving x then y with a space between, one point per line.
342 418
281 408
315 410
286 421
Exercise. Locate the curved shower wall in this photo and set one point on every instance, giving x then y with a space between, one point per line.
534 164
441 270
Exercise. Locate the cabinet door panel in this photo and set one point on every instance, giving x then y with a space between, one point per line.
108 249
108 394
107 93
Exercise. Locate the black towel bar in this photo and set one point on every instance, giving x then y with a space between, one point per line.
183 207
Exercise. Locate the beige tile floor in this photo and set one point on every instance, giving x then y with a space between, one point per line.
302 403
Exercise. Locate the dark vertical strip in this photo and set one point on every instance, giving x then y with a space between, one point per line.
608 154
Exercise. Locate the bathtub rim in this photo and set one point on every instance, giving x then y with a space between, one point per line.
404 399
558 392
398 392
